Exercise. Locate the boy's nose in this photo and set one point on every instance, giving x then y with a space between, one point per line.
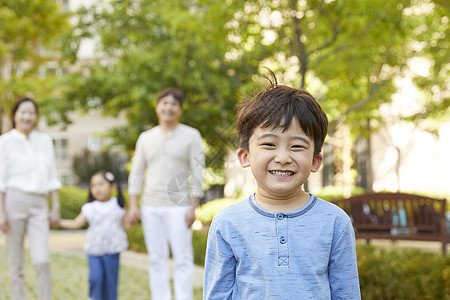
283 157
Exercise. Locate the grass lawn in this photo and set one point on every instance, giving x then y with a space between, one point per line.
69 279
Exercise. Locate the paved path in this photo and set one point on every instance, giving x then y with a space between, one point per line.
71 243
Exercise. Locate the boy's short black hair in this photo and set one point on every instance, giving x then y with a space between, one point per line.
276 106
176 93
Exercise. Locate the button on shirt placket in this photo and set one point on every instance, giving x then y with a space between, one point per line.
281 221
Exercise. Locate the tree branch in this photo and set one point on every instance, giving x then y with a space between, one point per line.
347 44
374 87
301 51
335 28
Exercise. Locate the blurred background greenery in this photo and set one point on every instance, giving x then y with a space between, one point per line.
349 54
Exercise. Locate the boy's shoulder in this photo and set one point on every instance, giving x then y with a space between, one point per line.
234 208
233 212
331 209
327 204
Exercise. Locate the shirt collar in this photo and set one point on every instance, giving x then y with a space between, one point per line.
16 132
271 214
113 199
170 133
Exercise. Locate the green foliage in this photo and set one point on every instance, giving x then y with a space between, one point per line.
156 44
347 53
403 274
206 212
199 239
136 239
71 199
330 193
30 35
88 163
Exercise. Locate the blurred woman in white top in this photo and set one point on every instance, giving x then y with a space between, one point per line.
27 176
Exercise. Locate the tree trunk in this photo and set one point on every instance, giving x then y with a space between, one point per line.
345 176
369 170
4 122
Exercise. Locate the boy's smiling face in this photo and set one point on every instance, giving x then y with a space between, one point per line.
280 162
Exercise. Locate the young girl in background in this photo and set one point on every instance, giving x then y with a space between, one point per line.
105 237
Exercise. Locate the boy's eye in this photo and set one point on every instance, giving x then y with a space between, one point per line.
298 147
268 144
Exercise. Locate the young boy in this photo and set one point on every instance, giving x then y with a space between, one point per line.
281 242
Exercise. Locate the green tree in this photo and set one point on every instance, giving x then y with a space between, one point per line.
146 46
87 163
348 53
30 35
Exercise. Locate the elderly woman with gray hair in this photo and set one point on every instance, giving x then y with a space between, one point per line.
27 176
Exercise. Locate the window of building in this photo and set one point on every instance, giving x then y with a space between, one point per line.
97 143
61 148
64 178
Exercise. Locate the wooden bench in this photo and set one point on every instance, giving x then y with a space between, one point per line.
397 216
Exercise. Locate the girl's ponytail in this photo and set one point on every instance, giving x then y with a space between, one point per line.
120 197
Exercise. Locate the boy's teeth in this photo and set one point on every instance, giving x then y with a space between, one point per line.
280 173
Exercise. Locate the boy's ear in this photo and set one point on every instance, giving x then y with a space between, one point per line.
317 162
243 158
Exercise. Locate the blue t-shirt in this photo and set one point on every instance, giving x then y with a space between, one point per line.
253 253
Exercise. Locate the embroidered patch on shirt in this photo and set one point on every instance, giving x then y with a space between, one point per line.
283 261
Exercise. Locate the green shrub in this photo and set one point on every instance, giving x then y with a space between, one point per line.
199 239
330 193
207 211
71 199
87 163
136 239
403 274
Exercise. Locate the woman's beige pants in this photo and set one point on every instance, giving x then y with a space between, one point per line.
28 214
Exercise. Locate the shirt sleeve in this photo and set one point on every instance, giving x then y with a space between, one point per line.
87 210
197 164
53 181
220 267
138 165
343 269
